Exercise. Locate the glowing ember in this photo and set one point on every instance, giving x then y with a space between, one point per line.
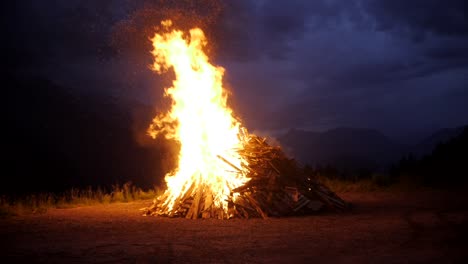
200 120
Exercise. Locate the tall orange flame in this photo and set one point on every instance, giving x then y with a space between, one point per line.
199 119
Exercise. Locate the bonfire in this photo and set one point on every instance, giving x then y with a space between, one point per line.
223 171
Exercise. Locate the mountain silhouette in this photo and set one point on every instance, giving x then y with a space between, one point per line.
344 147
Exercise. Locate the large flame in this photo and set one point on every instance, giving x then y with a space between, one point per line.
199 119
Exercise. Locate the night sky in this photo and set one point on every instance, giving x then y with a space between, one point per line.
394 65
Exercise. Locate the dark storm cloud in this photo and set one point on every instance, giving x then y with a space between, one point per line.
266 28
271 26
84 44
304 64
327 63
440 17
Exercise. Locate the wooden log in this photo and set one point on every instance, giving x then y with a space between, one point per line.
232 212
247 207
330 196
256 206
188 192
229 163
331 202
206 214
208 200
260 141
193 212
220 213
245 214
303 201
274 168
241 189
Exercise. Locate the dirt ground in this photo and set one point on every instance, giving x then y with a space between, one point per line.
382 227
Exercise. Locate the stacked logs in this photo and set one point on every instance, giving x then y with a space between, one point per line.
278 186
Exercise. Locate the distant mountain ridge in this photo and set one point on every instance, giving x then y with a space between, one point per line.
354 148
344 147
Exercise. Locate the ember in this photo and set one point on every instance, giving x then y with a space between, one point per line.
223 171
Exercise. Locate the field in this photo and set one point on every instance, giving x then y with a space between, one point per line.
424 226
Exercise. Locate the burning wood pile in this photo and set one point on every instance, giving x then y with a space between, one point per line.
278 187
223 171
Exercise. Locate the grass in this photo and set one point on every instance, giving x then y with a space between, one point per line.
342 186
40 203
377 182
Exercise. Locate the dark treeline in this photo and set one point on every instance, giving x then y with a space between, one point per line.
445 166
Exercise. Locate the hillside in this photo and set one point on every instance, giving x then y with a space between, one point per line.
346 148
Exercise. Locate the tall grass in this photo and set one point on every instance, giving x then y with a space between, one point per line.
39 203
342 186
377 182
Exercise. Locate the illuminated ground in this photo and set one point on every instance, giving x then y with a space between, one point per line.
382 228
